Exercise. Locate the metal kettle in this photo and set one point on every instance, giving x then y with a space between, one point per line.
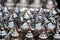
29 36
15 35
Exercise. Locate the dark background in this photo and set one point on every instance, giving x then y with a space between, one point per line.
58 1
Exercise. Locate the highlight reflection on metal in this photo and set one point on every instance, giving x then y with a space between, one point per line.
23 21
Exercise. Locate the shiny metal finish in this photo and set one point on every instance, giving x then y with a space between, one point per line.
23 21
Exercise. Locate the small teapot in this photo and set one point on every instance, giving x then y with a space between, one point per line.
57 35
29 36
2 33
15 35
43 36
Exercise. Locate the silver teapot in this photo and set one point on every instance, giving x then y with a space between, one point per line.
15 35
2 33
29 36
57 35
43 35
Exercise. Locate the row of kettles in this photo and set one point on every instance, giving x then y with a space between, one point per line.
29 24
28 34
